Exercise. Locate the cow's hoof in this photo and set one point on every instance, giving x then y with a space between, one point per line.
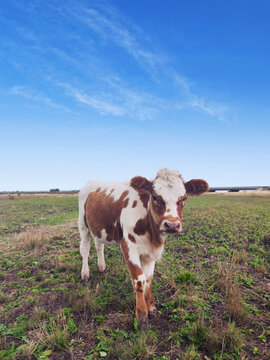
143 323
152 314
152 311
102 269
85 277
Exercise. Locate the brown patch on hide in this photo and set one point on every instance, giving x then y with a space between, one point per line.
141 307
114 232
140 227
125 203
158 205
148 294
103 212
196 187
143 188
148 226
134 203
156 215
131 238
144 199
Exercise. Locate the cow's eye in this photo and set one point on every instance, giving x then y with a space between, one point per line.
154 197
181 202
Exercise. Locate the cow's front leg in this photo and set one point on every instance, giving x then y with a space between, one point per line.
148 269
138 280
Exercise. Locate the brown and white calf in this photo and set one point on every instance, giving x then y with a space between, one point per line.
138 215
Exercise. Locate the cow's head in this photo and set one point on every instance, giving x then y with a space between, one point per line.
166 196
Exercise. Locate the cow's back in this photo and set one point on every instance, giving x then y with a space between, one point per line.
101 204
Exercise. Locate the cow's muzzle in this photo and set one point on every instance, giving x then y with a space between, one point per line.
171 226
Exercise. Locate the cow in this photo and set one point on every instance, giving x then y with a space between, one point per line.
138 215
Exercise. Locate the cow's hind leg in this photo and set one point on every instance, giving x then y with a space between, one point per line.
84 250
100 255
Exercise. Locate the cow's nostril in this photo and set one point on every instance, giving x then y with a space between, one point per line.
167 225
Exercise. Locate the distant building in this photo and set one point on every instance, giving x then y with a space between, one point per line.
54 190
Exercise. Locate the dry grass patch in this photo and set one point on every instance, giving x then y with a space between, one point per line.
226 282
54 333
28 350
144 346
2 276
4 298
240 257
38 314
82 300
37 237
34 238
29 239
191 354
261 268
222 339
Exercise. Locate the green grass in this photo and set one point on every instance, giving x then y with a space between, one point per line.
34 210
211 287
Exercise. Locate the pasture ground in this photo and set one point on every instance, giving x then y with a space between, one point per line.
211 286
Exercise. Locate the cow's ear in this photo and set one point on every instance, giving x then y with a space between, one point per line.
141 183
196 187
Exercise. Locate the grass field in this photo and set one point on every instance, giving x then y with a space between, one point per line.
211 287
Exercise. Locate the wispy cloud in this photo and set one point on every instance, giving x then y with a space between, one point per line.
31 94
96 102
199 103
26 33
119 101
110 25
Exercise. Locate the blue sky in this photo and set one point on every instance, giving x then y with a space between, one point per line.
113 89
